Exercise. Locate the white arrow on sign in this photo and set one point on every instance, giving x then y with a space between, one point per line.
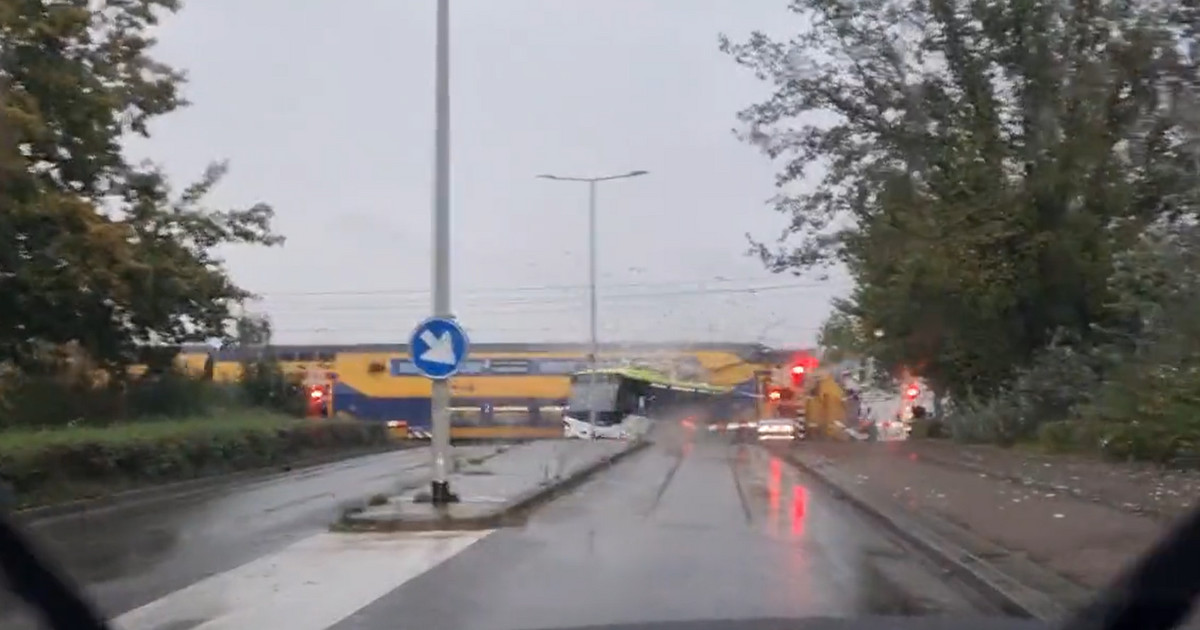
441 348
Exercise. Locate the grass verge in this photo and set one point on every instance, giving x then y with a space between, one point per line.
48 466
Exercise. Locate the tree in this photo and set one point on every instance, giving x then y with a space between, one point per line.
1154 351
982 164
253 331
98 250
264 383
841 337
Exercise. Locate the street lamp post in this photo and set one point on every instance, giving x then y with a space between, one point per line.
439 397
594 344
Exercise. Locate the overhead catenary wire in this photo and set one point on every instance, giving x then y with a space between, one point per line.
541 301
490 330
422 292
374 314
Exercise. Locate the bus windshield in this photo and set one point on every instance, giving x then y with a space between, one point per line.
599 396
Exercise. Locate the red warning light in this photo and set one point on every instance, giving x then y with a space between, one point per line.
318 405
912 392
774 394
802 366
798 374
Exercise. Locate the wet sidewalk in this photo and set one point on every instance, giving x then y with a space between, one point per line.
1083 520
492 489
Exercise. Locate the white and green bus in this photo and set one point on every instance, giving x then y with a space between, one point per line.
625 401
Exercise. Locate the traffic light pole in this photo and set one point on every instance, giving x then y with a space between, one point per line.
439 399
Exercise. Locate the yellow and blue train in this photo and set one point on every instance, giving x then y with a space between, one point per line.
503 390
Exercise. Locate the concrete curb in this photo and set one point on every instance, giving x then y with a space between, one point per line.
509 514
1000 589
176 489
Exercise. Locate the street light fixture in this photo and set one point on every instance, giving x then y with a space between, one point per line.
593 341
593 180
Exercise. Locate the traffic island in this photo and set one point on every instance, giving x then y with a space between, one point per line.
499 492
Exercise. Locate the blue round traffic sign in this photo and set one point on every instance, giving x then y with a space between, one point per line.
439 347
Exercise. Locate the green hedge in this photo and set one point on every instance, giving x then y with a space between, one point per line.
55 396
61 464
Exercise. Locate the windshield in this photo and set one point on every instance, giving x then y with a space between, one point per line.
895 308
589 395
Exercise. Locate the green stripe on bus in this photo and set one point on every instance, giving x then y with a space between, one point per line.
655 378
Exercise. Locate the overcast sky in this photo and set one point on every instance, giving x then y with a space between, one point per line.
325 110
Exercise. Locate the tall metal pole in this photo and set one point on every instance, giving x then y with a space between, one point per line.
440 396
594 342
594 336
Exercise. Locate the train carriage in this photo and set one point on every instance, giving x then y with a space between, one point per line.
504 390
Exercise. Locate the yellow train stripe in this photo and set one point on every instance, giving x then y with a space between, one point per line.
506 432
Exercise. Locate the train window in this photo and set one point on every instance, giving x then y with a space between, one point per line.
559 366
466 416
508 366
326 357
402 367
473 367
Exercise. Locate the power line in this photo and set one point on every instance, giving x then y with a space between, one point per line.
393 329
516 289
524 303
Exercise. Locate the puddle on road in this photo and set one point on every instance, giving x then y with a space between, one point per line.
93 557
880 594
893 581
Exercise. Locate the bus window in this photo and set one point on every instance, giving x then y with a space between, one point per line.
599 396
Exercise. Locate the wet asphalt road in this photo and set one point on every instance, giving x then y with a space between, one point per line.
131 555
681 531
701 531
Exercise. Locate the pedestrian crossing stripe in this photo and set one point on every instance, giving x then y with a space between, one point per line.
311 585
420 434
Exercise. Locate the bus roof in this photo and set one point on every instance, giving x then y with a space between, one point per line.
655 377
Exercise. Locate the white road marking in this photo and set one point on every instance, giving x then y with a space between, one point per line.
310 585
